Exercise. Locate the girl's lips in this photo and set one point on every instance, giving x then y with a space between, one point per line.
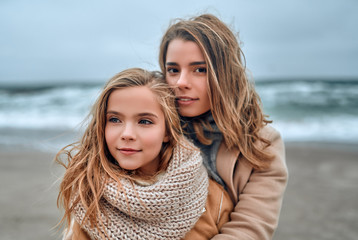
186 100
128 151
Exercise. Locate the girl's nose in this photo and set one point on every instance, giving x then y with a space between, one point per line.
128 133
183 81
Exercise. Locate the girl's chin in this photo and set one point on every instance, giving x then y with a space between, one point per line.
186 113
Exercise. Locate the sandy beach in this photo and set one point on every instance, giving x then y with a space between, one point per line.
321 201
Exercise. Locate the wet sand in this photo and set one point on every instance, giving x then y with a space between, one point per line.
321 200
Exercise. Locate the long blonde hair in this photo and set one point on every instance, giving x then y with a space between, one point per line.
235 105
89 162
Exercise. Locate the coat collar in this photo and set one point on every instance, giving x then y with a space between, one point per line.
225 164
235 173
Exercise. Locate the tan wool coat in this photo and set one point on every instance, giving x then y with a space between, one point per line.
257 194
218 208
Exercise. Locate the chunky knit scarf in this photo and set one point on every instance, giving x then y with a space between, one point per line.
209 151
167 209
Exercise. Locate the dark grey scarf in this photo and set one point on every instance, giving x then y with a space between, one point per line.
209 151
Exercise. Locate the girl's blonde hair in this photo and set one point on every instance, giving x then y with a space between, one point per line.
89 162
235 105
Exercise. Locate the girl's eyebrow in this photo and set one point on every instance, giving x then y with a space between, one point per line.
144 114
171 64
197 63
147 114
191 64
112 112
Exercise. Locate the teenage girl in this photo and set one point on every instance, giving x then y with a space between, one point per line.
134 175
222 114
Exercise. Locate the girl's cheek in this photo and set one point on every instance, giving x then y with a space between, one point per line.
171 81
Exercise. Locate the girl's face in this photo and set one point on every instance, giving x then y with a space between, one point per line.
186 70
135 128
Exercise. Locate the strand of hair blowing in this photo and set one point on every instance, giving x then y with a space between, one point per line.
83 172
236 106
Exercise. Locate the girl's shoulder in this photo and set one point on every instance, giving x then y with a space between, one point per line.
270 133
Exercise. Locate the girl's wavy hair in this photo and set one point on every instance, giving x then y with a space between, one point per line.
235 105
89 162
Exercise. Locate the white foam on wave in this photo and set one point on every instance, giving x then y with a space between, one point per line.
333 129
59 108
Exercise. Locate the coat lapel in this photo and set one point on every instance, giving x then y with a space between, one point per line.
233 170
225 164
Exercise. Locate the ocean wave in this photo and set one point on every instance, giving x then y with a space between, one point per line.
54 108
301 110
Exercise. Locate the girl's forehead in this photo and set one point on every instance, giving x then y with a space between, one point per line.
179 49
133 95
135 102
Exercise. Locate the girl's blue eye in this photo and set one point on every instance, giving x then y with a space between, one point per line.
145 122
114 120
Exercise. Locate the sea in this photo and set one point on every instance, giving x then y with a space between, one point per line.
49 117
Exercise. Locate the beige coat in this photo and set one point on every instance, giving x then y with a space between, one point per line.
257 195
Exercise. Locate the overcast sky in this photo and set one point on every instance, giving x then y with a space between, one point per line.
92 40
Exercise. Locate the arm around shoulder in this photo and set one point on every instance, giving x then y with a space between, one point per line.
257 211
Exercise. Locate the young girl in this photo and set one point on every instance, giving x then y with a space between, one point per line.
221 113
133 175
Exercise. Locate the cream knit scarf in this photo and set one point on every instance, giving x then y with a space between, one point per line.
167 209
